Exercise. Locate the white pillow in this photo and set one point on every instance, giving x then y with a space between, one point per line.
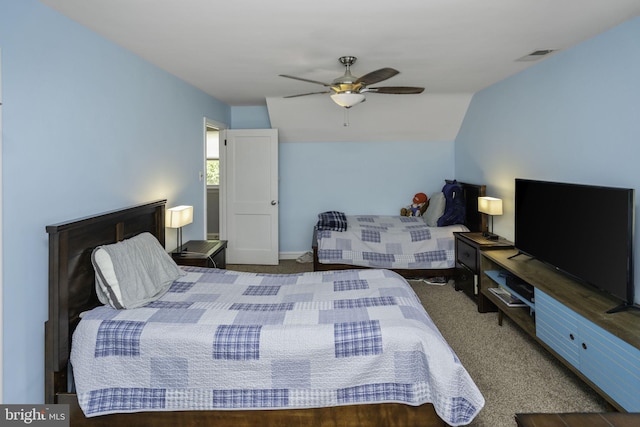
106 279
134 272
435 210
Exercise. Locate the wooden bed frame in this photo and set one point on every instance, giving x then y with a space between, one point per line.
475 221
72 291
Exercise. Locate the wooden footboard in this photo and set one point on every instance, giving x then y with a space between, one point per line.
385 414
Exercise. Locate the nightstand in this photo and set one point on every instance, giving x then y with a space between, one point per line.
468 246
202 253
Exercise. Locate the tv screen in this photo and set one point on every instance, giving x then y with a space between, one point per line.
585 231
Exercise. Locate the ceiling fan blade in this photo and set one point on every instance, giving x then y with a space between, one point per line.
305 94
305 80
399 90
377 76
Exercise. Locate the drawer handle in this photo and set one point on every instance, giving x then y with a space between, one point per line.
572 337
584 346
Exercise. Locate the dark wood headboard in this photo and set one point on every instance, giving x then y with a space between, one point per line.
72 278
474 220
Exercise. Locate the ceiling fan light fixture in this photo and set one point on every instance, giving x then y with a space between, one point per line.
349 90
347 100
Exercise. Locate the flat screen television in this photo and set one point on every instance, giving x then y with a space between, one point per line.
584 231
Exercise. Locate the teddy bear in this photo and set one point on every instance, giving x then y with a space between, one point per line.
418 207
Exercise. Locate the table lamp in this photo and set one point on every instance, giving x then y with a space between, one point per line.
490 206
177 218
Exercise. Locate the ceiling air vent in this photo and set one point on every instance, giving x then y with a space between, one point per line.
535 55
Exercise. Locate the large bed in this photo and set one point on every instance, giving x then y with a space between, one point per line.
404 242
372 374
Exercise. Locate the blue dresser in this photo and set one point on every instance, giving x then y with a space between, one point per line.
610 363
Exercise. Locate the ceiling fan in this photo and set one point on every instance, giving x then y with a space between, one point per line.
348 90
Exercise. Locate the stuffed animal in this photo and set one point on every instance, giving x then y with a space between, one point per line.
418 207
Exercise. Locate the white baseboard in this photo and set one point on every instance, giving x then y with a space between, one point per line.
290 255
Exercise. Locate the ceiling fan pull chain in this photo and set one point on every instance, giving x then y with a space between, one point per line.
346 117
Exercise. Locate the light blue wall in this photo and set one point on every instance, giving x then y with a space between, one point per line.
575 117
357 178
251 117
87 127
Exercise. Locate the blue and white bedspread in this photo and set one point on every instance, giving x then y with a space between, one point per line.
222 340
397 242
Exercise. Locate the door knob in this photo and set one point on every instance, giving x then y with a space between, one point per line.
273 203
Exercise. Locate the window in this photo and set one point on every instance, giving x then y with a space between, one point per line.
213 158
213 171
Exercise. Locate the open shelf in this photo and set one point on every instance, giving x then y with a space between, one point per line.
499 276
522 316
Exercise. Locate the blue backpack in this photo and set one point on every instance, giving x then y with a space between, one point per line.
454 211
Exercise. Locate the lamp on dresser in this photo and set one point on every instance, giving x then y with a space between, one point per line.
177 218
490 206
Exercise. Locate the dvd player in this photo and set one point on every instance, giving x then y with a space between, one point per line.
520 287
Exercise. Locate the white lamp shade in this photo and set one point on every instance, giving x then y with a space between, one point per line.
347 100
490 205
179 216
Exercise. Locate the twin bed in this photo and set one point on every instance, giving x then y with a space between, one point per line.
334 348
406 245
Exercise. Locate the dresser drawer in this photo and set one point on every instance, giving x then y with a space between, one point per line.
467 255
466 280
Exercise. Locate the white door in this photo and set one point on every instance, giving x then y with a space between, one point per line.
251 193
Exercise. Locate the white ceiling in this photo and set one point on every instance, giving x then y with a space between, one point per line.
235 50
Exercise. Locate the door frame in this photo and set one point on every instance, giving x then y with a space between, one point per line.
221 127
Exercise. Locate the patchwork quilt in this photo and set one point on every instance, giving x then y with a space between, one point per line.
224 340
396 242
